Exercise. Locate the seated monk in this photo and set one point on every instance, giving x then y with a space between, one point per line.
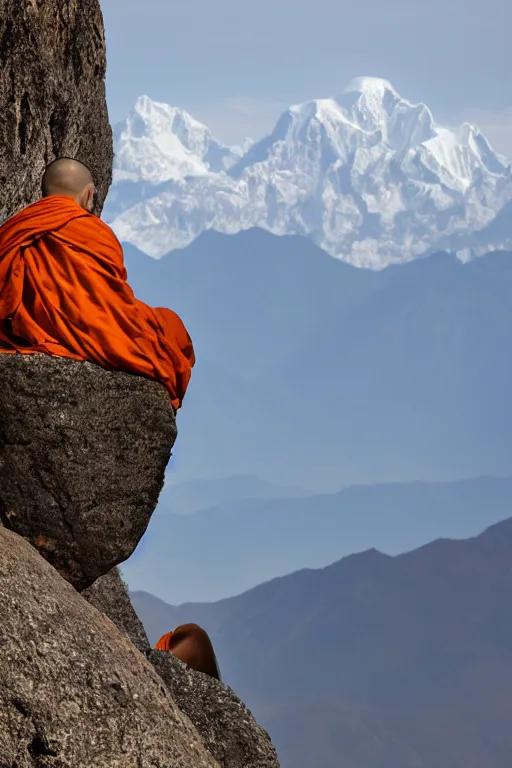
64 290
191 644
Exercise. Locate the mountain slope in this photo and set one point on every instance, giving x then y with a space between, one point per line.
313 373
199 495
375 661
368 176
233 547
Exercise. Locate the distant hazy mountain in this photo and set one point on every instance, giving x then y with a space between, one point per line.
311 373
226 550
374 662
368 176
198 495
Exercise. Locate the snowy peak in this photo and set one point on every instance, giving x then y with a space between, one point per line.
368 175
462 158
469 136
368 113
372 88
159 143
370 102
161 120
374 105
148 149
369 123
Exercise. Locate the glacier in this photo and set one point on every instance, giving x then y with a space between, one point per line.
367 175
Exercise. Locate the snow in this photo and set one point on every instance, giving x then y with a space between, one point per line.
368 175
373 87
148 149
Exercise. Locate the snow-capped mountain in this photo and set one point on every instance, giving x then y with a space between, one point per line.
368 176
160 143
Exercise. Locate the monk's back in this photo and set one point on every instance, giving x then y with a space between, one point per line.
64 291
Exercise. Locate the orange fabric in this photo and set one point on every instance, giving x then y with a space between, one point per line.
164 644
64 291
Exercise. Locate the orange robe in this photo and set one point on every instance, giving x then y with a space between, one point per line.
164 644
64 291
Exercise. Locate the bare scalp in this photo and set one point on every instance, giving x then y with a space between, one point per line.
66 176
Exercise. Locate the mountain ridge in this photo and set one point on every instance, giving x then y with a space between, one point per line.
198 495
374 661
257 540
336 363
368 176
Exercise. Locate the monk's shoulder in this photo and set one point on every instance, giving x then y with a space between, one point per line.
94 227
91 235
108 231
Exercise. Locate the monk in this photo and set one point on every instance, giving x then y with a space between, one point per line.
192 645
64 290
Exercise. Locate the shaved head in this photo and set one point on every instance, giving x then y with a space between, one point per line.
71 178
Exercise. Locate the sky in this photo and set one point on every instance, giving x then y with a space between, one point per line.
236 66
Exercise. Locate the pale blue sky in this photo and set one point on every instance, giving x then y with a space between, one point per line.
236 65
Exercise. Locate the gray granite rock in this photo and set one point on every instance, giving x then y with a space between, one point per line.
228 729
52 95
83 453
74 691
109 594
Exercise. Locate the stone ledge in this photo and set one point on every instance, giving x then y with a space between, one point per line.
83 453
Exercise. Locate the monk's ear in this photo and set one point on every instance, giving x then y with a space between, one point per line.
88 198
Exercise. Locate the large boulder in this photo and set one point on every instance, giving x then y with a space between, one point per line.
52 95
83 453
74 691
229 731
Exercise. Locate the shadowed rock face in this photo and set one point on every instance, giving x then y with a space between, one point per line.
74 691
52 95
83 453
110 596
229 731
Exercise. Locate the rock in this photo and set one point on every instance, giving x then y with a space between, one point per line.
83 453
109 594
228 729
74 691
52 95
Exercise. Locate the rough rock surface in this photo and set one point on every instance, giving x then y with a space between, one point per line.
228 729
83 453
52 95
74 691
110 595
